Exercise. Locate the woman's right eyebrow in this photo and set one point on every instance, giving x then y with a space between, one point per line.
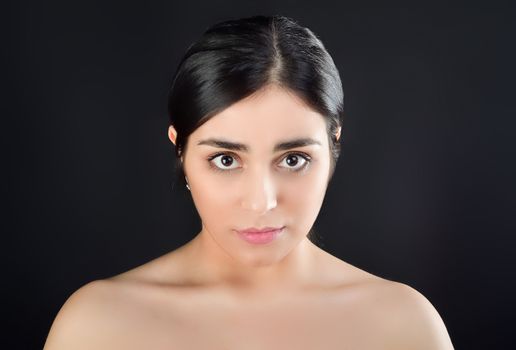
281 146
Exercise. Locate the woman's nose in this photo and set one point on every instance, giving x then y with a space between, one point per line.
258 193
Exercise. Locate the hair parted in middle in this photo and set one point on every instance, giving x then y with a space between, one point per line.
235 58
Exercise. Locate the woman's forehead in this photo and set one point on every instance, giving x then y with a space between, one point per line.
270 115
270 101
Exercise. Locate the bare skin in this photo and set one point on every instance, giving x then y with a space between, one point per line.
220 292
344 308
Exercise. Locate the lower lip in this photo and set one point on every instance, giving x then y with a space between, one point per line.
260 238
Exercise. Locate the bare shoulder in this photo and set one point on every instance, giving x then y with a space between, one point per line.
402 317
407 319
86 320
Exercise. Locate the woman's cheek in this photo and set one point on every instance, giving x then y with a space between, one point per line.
208 196
305 194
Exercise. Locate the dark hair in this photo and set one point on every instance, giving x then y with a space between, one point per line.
236 58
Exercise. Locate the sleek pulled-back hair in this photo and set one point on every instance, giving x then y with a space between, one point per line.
236 58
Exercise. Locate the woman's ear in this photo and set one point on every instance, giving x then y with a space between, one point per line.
172 134
337 135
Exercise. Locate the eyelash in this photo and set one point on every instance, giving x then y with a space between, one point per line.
305 156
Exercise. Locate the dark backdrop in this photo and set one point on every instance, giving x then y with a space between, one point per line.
423 192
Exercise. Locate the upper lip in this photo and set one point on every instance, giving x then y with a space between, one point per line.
260 230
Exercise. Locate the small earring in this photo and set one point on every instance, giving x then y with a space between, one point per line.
187 185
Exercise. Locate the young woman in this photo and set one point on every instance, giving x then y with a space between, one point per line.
255 110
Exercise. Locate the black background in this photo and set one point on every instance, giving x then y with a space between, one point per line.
423 192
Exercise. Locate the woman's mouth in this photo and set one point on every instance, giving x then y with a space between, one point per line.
260 236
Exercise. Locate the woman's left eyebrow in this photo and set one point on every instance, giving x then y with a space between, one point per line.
281 146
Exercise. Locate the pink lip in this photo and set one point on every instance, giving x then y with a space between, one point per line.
262 230
262 236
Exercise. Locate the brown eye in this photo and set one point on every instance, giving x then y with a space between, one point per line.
292 160
296 161
222 162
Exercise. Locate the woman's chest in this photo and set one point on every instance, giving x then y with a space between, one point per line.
291 326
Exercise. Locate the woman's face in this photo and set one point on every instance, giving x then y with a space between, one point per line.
259 184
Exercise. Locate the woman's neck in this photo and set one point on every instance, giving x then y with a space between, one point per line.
269 272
